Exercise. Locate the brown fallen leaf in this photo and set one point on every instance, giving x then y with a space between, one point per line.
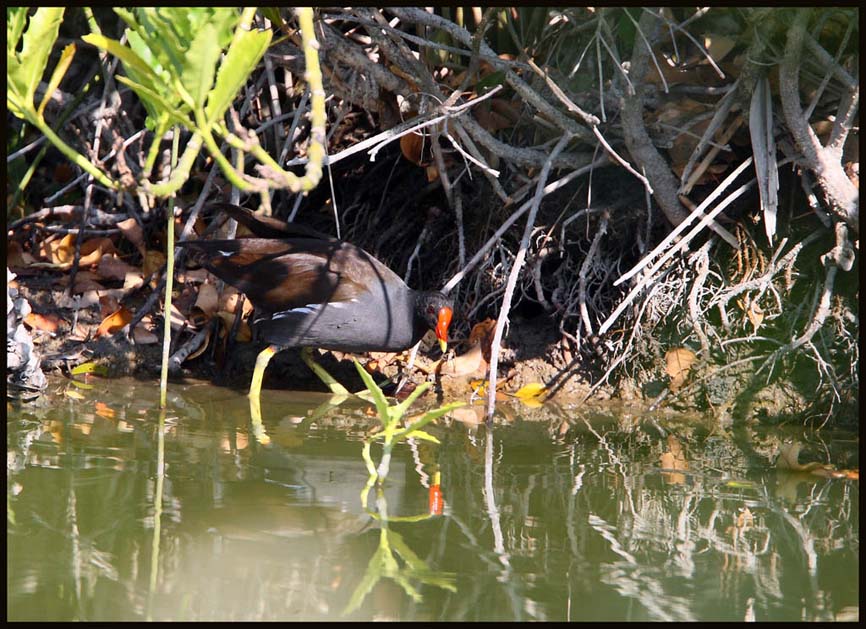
153 262
133 233
16 257
207 300
463 365
114 322
108 304
230 298
58 251
413 145
483 333
244 333
674 459
678 363
471 415
45 323
141 335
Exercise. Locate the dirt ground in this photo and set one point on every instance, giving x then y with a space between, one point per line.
530 354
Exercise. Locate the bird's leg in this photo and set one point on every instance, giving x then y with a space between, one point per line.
262 361
335 387
259 372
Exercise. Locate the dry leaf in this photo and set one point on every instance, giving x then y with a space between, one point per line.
463 365
16 256
133 233
412 146
85 285
58 251
207 300
141 335
153 262
483 333
114 322
667 461
755 314
674 459
108 304
45 323
472 415
230 298
92 251
244 334
113 268
678 363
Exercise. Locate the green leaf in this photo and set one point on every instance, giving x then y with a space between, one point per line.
130 58
420 434
28 67
158 31
57 76
140 47
16 19
490 81
155 103
273 14
241 59
378 396
200 64
14 105
428 417
403 406
128 17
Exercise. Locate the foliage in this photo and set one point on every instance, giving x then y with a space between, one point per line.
391 418
24 70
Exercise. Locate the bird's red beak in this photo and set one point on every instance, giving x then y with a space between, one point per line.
442 322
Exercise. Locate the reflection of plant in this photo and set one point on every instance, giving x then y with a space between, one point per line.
391 432
384 561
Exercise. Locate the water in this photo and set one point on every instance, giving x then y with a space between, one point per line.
553 515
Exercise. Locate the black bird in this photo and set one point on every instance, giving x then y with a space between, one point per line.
312 290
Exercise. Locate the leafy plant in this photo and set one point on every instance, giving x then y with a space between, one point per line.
24 71
392 429
172 62
175 64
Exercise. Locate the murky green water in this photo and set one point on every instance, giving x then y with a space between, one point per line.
549 516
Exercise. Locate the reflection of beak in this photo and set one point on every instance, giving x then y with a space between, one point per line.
442 322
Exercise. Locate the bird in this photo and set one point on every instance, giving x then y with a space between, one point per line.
311 290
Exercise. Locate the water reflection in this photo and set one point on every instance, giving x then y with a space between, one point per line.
580 515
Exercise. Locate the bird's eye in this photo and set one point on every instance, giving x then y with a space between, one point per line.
429 309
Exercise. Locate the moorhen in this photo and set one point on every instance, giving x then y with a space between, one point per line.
312 290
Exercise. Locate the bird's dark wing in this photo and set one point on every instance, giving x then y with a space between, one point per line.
278 275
